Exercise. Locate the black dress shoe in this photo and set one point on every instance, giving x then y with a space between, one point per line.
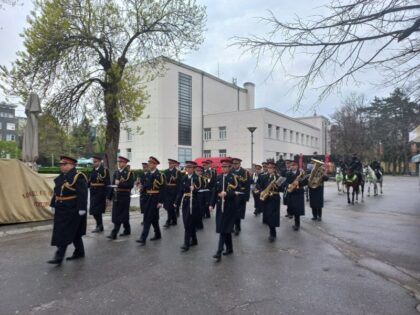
314 219
237 232
98 230
75 256
185 248
112 237
193 243
319 219
167 225
141 241
228 252
271 238
295 227
125 233
55 261
155 238
217 256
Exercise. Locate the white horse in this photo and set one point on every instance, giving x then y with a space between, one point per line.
339 179
371 178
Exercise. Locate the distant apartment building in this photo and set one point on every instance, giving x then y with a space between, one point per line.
8 122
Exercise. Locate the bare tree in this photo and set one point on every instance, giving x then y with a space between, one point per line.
350 129
353 36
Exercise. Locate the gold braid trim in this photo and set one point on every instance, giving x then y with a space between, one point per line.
234 185
70 186
158 183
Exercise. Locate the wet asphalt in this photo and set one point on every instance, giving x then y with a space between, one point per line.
361 259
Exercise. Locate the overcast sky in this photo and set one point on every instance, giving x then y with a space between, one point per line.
227 18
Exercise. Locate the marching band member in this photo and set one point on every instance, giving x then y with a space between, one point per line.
224 199
173 178
123 178
242 193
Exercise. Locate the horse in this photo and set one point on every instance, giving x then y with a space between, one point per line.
371 178
339 179
355 181
380 179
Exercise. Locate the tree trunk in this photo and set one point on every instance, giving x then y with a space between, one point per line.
112 134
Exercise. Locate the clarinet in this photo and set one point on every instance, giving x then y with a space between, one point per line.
191 197
223 197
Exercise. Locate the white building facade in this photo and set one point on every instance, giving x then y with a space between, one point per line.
191 113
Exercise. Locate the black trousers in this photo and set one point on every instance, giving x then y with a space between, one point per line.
146 227
297 220
317 212
79 248
98 219
126 226
225 239
190 236
273 231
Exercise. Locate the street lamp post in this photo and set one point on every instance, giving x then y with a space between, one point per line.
252 129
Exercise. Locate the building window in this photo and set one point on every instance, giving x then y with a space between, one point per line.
312 141
184 154
129 155
270 127
129 135
291 135
10 137
291 156
284 134
307 140
0 126
278 133
222 133
207 133
222 153
206 153
302 139
184 109
297 137
10 126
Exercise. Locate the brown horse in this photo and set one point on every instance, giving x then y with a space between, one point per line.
355 181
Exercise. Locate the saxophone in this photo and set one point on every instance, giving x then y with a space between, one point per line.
267 191
295 183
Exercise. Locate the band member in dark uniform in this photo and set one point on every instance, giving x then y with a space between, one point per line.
284 174
209 176
271 201
242 193
256 188
99 182
140 186
69 204
189 187
316 193
295 182
178 205
123 178
173 179
201 197
224 199
154 188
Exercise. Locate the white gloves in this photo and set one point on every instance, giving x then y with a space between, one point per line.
52 209
82 212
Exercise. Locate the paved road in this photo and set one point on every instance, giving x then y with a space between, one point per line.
362 259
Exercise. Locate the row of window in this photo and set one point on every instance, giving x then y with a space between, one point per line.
9 137
221 153
207 134
7 115
9 126
184 154
291 136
